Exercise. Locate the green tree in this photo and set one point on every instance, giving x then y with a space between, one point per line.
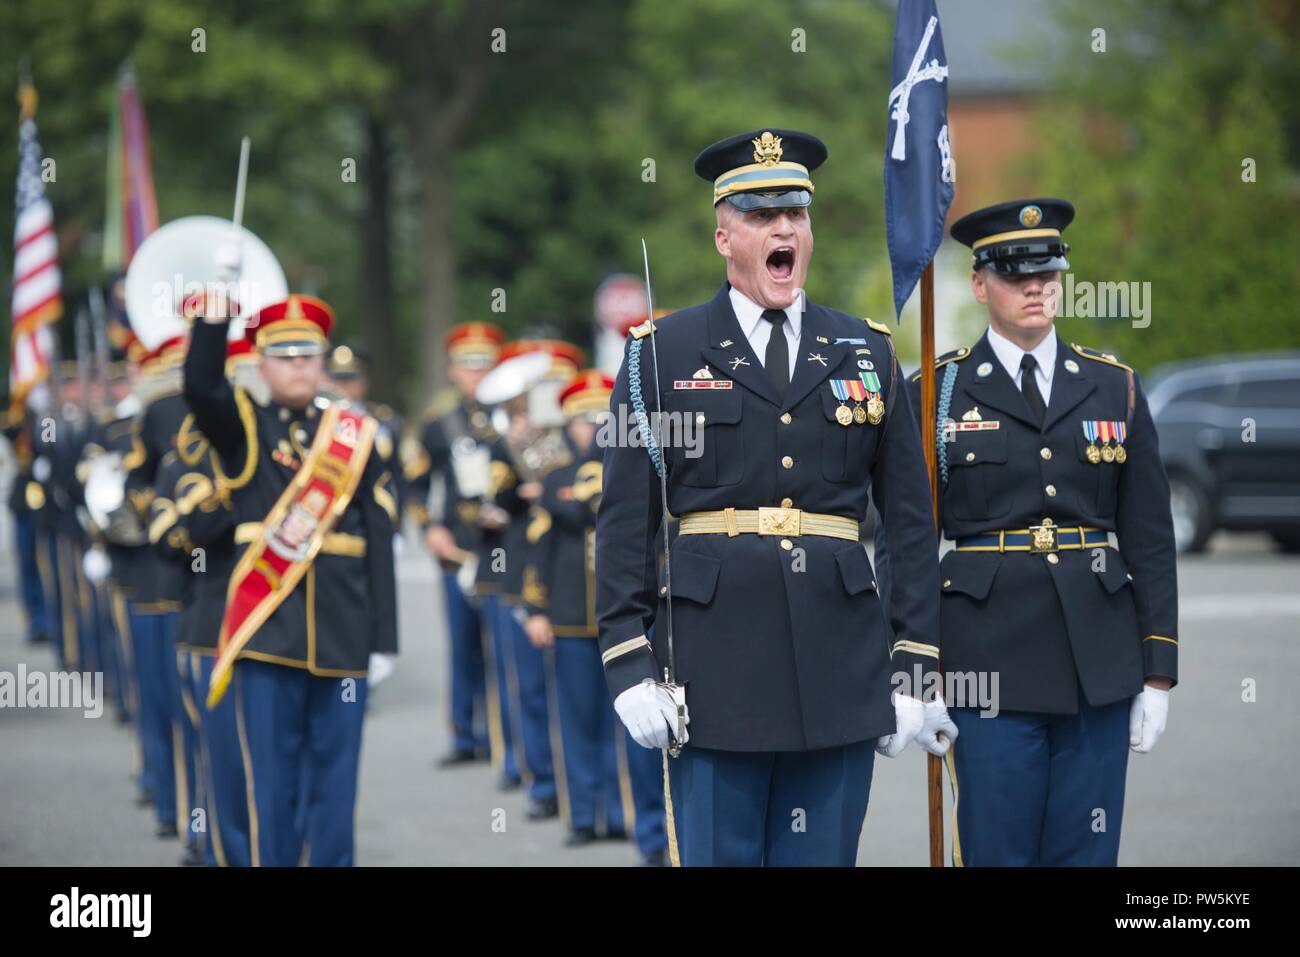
1152 140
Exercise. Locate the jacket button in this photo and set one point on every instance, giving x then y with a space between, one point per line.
787 462
1051 491
787 544
1045 452
785 418
663 590
787 503
970 456
700 418
1053 558
947 583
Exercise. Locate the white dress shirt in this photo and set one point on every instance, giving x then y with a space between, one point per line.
758 330
1010 354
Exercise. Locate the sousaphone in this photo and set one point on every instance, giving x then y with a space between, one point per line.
177 264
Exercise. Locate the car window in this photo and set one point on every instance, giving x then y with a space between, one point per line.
1214 394
1268 394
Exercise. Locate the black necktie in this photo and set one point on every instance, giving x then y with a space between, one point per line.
1029 386
777 359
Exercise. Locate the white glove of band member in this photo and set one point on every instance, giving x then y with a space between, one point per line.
97 565
229 260
649 713
1146 719
909 719
938 733
381 666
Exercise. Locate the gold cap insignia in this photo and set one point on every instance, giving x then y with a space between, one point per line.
767 149
1031 216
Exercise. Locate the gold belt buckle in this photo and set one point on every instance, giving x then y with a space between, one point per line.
773 520
1043 538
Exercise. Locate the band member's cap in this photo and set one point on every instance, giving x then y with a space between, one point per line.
347 362
764 169
474 345
238 351
1019 237
589 391
297 326
170 352
566 358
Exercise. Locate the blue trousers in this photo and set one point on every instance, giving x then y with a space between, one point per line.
225 785
765 808
1039 789
529 697
190 799
502 723
468 681
30 586
645 770
608 778
299 732
152 643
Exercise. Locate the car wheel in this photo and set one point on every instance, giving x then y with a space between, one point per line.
1288 539
1190 507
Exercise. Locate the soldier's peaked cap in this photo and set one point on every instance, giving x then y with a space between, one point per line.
1022 236
763 169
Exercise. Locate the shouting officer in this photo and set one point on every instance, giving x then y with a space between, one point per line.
781 418
1049 456
313 594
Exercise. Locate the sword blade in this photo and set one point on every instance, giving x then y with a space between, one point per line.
671 671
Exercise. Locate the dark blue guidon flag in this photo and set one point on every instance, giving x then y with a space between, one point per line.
919 168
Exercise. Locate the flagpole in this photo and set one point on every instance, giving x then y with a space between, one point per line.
933 766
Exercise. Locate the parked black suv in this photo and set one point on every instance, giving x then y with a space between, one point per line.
1230 439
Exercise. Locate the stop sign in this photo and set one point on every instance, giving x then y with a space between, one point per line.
620 303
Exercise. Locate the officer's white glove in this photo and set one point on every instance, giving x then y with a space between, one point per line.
909 719
1146 719
649 712
938 733
96 564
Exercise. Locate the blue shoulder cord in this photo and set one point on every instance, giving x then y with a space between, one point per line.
638 405
941 416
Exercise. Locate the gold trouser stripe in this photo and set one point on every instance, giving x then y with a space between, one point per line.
917 648
1172 641
951 761
250 787
670 823
745 520
623 648
336 543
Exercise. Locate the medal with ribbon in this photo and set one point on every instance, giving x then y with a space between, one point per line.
840 387
875 404
1090 433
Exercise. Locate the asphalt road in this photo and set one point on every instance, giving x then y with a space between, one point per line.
1220 789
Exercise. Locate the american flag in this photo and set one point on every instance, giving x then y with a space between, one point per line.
38 286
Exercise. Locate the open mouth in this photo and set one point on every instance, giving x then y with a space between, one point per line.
780 263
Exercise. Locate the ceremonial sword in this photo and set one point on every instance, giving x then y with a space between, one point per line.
669 684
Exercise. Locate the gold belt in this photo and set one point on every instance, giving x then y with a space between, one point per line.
786 522
336 543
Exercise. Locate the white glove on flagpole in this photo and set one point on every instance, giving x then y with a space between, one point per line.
909 719
938 733
1146 719
649 712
